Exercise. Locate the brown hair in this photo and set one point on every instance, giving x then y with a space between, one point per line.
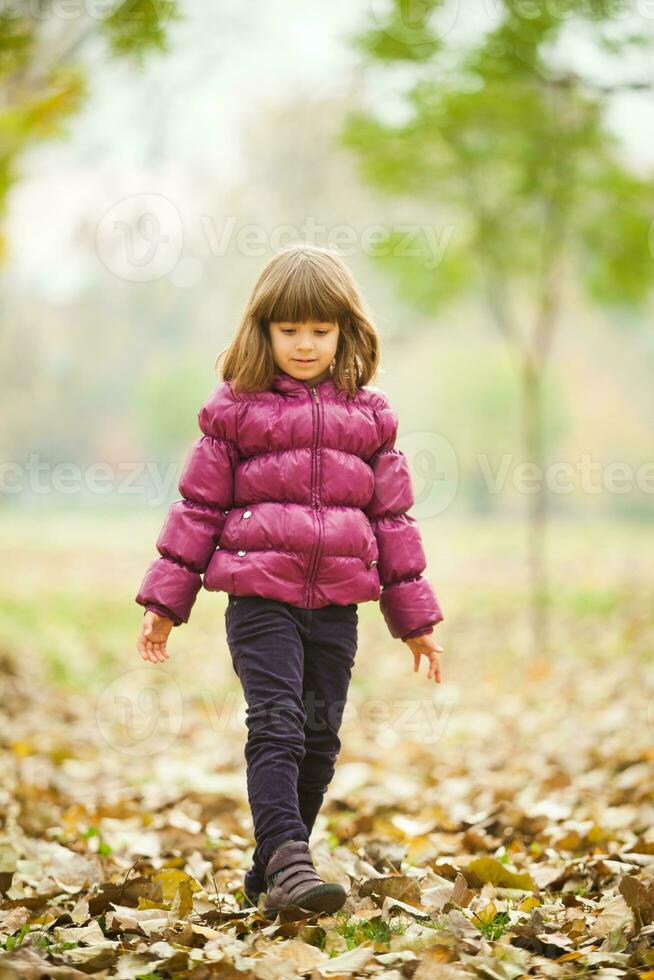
300 283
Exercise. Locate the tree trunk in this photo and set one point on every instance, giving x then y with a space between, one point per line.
536 526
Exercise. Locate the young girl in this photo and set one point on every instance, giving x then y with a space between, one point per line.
294 501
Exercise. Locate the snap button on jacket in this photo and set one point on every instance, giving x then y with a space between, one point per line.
326 493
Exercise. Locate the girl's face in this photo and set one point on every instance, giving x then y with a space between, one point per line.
304 350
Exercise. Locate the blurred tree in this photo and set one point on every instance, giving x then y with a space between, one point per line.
42 79
518 153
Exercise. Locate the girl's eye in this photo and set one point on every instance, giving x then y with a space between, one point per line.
321 333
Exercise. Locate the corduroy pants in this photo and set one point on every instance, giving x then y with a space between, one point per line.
294 666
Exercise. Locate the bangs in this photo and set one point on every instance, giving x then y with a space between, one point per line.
303 283
306 293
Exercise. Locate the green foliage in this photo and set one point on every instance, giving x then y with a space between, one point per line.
517 148
42 85
414 283
406 35
615 236
16 40
17 938
138 26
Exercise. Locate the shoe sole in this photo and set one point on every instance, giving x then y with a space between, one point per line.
323 898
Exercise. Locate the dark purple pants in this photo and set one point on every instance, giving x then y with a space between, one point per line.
294 666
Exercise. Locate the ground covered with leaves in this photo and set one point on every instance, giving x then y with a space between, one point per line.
499 825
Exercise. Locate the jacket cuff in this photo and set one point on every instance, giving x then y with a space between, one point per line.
170 584
410 606
419 632
162 611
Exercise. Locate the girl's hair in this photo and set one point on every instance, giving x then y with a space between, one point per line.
301 283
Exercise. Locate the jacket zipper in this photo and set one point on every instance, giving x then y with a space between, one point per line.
314 498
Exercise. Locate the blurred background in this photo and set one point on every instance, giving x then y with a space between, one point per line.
486 170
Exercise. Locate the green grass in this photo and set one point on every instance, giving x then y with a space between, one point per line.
494 929
68 581
375 930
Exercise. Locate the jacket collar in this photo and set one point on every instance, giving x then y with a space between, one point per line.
295 386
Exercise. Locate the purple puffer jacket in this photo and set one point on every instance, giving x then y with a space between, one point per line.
296 493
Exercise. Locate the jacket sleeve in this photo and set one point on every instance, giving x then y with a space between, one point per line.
407 601
194 523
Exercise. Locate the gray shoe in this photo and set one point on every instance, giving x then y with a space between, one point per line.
292 879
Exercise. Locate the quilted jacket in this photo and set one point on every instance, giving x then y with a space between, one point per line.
296 493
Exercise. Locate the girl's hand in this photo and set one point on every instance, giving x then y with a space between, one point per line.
151 642
426 646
